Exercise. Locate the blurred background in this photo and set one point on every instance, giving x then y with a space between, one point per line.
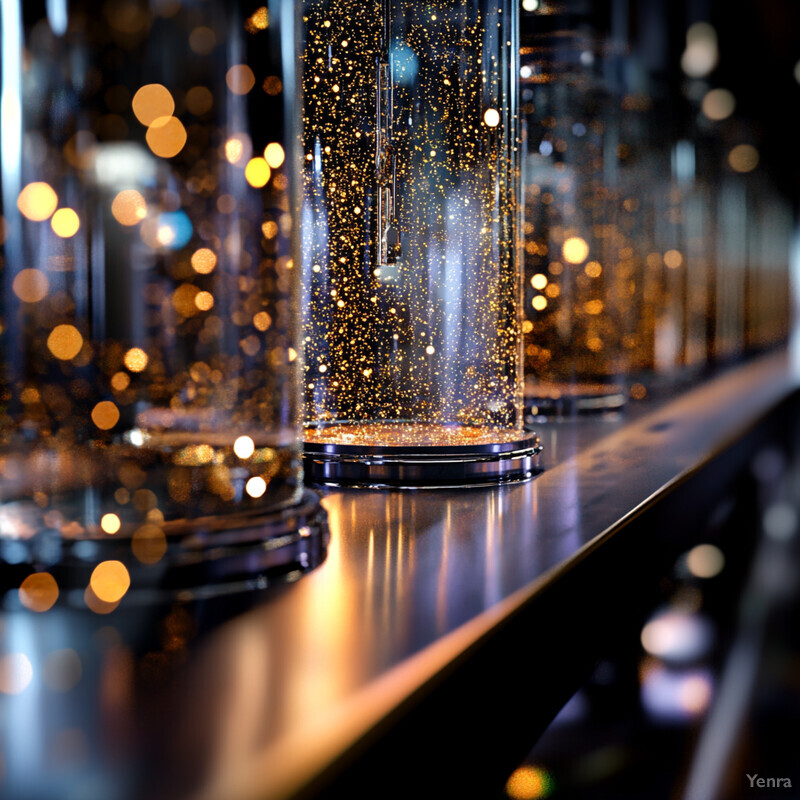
704 691
659 176
691 107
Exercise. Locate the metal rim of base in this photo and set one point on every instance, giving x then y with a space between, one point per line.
211 559
422 467
574 401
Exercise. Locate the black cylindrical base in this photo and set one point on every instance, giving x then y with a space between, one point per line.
191 559
568 400
422 467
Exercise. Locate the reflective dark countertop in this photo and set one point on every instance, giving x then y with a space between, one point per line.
274 694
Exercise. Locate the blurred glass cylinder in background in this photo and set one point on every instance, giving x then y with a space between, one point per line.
411 275
768 295
578 257
149 309
656 244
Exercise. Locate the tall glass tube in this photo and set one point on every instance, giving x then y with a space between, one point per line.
411 276
767 310
150 306
579 258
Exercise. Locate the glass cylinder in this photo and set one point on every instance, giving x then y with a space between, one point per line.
149 312
767 287
731 267
579 255
412 287
681 237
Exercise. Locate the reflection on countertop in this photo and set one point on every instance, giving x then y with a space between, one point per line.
252 695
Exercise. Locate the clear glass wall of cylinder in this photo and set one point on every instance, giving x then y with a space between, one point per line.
150 303
411 275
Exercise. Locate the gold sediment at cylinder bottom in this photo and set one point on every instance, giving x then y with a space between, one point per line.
410 434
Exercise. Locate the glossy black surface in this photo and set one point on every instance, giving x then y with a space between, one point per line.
254 696
422 467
